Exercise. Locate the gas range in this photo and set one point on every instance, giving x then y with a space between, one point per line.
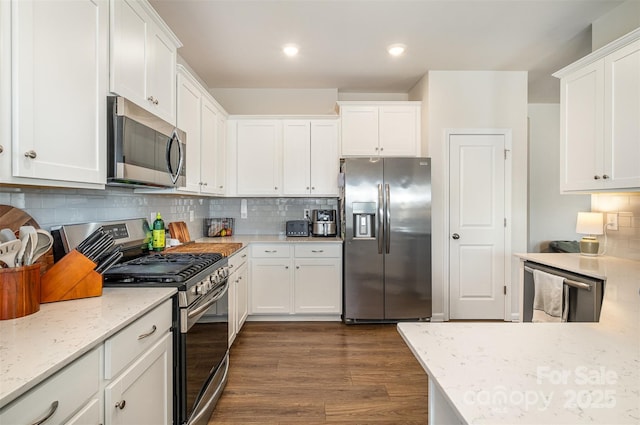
193 275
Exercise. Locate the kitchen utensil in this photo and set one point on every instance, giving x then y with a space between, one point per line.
90 240
44 243
8 252
109 260
29 239
7 235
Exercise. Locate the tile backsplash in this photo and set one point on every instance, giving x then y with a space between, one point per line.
624 242
53 207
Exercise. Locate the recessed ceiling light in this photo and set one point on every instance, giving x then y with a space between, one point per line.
396 49
290 50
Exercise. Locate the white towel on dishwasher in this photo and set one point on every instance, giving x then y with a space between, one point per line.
547 300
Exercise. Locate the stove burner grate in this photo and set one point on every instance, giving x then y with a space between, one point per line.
168 268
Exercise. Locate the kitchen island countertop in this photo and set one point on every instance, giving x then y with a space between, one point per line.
34 347
531 373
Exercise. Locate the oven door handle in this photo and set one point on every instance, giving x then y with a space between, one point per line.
219 294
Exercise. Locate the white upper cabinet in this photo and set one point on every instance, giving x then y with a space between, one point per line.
258 150
622 117
600 125
189 105
143 58
380 129
54 125
200 117
310 157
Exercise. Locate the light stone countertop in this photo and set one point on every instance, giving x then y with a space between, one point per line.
249 239
36 346
551 373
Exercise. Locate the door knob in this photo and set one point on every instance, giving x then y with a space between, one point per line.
455 236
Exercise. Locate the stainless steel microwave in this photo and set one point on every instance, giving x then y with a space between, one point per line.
142 149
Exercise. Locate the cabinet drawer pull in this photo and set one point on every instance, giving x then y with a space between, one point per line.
120 405
30 154
270 251
153 100
230 266
596 177
244 255
52 410
605 176
317 250
143 336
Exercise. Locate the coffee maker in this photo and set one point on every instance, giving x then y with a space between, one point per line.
323 223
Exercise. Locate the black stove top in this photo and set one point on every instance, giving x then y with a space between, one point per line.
161 268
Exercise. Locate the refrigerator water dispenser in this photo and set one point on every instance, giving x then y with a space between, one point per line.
364 219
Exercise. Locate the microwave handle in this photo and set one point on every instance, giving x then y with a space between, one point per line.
174 174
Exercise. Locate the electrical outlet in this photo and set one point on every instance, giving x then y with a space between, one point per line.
192 215
307 213
612 221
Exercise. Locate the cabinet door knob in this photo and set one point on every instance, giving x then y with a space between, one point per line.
1 149
605 176
276 188
286 267
297 267
153 100
120 405
455 236
596 177
30 154
376 149
381 149
307 187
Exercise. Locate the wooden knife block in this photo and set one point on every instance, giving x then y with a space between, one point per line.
70 278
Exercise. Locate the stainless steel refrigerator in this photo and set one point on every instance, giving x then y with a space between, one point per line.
386 208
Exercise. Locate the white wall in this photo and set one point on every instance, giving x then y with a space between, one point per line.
615 24
552 216
421 92
277 101
475 99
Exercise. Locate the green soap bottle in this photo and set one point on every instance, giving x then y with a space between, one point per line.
157 233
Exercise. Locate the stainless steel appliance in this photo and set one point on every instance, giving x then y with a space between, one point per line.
142 149
387 239
585 293
323 223
297 228
201 317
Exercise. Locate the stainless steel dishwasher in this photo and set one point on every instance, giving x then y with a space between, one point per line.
585 293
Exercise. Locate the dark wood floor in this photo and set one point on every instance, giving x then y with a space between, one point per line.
322 373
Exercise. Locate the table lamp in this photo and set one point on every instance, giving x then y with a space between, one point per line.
589 224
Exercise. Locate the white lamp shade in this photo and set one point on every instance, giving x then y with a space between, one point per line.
589 223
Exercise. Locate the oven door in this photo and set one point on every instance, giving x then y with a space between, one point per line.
206 356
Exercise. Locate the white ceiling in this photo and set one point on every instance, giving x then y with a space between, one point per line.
237 43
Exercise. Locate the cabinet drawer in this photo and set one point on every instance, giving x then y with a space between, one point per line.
237 259
318 250
279 250
70 389
122 348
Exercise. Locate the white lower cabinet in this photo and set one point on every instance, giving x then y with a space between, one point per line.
318 279
142 394
126 380
238 292
296 279
138 371
68 396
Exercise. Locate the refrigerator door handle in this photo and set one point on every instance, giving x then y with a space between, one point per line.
380 222
387 224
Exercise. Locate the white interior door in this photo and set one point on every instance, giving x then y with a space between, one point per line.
477 222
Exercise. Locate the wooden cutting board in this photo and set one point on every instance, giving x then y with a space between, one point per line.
12 218
178 230
224 248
